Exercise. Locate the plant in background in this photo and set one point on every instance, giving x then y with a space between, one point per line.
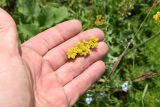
125 7
157 17
102 95
100 20
125 86
33 16
3 3
88 98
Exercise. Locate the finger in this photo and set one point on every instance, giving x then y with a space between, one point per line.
54 36
70 70
57 56
8 33
84 81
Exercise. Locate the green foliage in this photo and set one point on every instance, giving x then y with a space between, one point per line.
3 3
35 16
152 49
127 21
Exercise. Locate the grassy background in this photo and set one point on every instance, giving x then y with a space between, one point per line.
130 31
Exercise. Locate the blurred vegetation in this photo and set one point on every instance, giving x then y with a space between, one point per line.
130 31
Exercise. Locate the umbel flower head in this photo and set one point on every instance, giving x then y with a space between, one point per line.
157 17
99 20
82 48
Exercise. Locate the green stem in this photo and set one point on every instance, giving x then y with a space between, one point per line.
137 46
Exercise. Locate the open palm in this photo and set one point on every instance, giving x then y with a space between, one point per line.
54 81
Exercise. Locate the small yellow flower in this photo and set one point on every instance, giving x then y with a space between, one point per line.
99 20
72 52
82 48
93 42
157 17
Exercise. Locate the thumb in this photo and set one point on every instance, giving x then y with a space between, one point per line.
8 34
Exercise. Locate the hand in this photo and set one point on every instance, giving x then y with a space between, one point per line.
38 74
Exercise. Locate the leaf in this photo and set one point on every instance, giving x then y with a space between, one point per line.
28 30
60 14
46 17
28 7
51 15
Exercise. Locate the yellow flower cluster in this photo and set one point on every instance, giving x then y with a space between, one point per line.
157 17
82 48
99 20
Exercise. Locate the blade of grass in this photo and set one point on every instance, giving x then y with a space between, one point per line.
144 93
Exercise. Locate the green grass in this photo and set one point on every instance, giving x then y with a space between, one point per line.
130 31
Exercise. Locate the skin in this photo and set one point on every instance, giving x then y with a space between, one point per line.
38 74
